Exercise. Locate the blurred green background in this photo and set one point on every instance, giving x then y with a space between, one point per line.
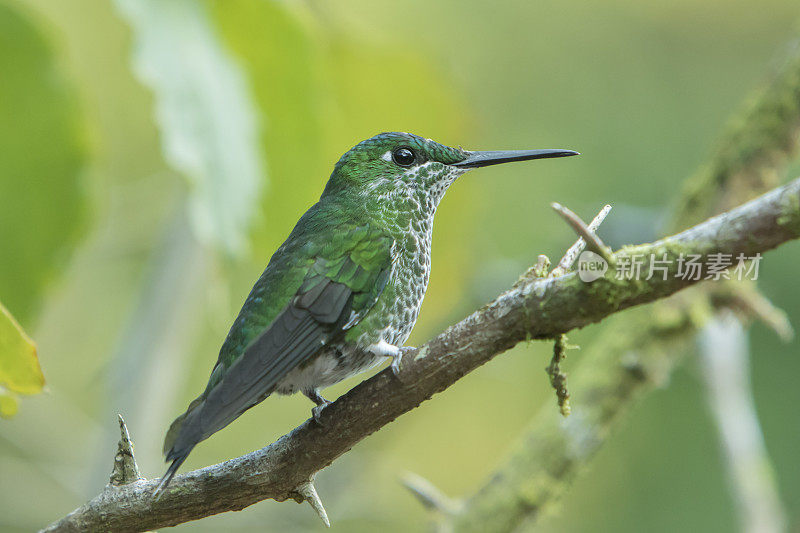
154 154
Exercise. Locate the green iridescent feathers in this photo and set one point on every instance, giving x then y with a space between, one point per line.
365 162
356 256
333 284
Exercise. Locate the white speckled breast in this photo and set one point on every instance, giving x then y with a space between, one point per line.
395 313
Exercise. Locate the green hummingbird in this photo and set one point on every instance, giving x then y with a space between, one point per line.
343 292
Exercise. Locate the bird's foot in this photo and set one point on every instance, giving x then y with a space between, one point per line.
384 349
316 411
397 359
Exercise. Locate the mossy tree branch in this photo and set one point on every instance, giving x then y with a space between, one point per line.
624 363
538 308
753 152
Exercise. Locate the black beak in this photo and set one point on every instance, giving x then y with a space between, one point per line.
484 159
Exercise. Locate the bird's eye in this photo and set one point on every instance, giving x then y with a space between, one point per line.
404 156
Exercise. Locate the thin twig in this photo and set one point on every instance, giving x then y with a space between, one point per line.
747 299
429 495
575 250
591 239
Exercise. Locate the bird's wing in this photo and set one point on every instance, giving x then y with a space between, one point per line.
340 287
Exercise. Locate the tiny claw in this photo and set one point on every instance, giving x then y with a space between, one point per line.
395 366
316 412
321 402
398 358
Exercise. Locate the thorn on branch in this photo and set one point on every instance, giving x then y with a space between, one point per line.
429 495
125 469
586 233
309 494
537 271
558 379
541 267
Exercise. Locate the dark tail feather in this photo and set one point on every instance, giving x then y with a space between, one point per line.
177 456
177 461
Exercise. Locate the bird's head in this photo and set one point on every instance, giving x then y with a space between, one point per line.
395 163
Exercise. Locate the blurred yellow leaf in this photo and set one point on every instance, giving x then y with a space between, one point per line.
19 366
8 403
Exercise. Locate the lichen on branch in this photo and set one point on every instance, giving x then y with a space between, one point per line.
539 308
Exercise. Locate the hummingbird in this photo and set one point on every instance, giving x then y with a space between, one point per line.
344 290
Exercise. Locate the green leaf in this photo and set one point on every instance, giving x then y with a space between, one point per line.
19 366
207 120
41 157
